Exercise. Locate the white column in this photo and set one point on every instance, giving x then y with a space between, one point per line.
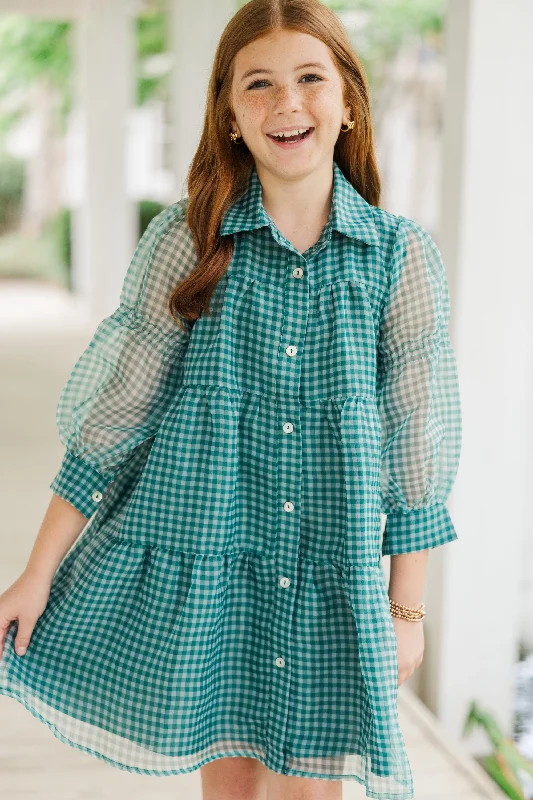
474 584
195 31
105 228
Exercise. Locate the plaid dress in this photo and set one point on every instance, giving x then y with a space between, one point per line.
226 597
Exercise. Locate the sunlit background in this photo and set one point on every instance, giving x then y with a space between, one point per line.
101 107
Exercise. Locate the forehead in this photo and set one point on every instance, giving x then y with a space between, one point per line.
282 50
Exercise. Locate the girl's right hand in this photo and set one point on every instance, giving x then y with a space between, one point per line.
25 600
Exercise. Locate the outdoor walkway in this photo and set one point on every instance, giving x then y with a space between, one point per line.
40 340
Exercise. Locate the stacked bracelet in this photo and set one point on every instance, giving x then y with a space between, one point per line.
404 612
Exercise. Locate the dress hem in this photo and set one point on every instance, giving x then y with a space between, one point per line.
223 754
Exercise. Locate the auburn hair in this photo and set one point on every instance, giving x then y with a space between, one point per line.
219 171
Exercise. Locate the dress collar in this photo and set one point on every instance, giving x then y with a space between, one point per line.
350 213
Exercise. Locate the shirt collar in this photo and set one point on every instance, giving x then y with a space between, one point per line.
350 213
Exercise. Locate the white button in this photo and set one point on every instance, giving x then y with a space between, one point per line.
288 427
288 506
284 582
291 350
280 662
97 496
297 272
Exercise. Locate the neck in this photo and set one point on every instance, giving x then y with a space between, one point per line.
301 201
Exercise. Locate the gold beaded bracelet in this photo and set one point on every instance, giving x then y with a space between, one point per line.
405 612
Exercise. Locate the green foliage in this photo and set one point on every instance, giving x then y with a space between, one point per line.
389 25
506 762
148 209
34 49
12 172
396 19
59 229
152 28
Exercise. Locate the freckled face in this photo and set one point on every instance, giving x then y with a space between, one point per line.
284 93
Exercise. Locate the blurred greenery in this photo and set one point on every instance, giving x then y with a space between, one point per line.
390 24
35 49
152 40
49 256
506 765
12 173
37 258
59 229
148 209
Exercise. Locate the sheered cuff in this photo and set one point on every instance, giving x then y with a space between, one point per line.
80 484
410 531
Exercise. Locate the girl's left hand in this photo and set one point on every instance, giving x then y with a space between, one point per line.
410 646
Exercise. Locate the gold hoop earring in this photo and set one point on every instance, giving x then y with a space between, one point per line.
350 125
234 137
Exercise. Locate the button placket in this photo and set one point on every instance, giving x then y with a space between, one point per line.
296 304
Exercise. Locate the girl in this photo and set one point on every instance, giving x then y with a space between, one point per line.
278 373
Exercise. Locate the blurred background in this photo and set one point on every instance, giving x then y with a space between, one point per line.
101 108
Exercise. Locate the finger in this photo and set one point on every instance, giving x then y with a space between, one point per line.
23 637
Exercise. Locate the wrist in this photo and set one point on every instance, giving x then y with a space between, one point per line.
39 573
409 613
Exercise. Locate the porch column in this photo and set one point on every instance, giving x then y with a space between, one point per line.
105 229
195 31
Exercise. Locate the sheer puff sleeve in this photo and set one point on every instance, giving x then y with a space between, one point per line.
122 384
418 397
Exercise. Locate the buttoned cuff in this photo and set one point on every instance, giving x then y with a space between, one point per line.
80 484
417 530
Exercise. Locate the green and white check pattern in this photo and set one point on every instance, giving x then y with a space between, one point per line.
227 596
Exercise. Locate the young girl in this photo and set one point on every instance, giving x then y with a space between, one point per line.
278 373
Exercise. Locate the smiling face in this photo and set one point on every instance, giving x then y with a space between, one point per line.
284 94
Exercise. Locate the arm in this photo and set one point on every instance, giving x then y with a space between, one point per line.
61 526
418 398
408 577
420 414
123 383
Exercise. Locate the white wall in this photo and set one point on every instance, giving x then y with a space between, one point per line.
487 211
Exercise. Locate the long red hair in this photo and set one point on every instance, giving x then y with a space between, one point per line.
219 171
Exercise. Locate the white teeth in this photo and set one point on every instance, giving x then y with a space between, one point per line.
285 134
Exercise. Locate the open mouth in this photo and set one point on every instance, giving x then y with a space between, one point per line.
285 141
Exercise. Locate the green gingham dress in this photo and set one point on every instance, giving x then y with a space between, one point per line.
226 597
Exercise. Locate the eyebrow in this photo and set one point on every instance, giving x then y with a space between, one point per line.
269 71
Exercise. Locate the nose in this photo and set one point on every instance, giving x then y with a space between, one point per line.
287 98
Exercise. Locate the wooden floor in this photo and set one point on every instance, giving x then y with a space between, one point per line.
35 360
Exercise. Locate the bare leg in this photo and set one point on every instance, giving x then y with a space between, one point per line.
290 787
234 778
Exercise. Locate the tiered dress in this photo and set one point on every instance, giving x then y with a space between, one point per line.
226 597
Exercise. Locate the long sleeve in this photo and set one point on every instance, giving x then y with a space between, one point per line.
122 384
418 397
